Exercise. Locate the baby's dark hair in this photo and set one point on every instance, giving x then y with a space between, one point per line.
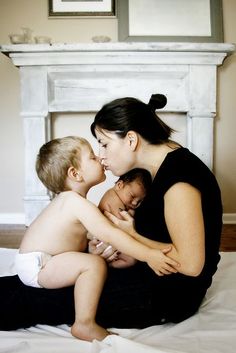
138 174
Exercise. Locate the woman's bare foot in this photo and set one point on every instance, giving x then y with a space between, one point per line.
89 332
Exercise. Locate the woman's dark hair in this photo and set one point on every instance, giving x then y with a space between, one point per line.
125 114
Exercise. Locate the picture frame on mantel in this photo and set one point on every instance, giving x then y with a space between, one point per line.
78 8
170 21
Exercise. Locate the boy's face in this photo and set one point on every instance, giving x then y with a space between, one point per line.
91 169
131 193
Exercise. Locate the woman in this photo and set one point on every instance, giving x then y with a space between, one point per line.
183 208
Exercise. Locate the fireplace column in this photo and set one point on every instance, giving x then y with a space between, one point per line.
202 111
36 124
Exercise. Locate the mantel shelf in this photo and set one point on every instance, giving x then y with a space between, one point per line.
119 46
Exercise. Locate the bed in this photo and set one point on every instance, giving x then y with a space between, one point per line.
211 330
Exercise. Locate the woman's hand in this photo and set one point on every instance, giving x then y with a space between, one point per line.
97 247
126 223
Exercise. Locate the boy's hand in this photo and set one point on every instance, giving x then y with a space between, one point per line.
162 264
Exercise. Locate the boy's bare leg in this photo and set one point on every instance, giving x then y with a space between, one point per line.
88 288
88 273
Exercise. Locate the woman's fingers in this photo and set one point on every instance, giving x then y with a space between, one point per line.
97 247
113 257
112 218
126 215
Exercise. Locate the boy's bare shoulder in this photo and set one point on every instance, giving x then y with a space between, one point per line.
73 199
69 196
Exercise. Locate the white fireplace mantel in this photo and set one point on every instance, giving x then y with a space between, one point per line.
82 77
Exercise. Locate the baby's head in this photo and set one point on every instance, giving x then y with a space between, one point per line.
56 157
132 187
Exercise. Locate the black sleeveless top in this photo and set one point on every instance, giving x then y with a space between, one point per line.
181 165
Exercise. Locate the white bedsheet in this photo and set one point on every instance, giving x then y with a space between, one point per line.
211 330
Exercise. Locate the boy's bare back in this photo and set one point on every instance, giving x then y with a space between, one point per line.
56 229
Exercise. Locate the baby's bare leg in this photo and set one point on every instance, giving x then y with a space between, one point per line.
88 273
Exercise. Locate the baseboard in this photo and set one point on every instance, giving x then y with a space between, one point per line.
12 218
229 218
19 218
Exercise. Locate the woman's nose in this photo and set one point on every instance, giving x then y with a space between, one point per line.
101 153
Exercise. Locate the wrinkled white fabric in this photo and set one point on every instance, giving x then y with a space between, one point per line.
211 330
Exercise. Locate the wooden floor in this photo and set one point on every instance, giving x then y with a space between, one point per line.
11 235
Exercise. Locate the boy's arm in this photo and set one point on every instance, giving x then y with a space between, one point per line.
98 225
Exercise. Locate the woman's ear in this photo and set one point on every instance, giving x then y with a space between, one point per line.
132 138
74 174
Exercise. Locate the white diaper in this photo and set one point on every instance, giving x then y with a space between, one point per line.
28 266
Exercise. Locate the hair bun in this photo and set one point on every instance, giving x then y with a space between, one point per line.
157 101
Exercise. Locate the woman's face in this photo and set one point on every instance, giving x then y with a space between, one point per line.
115 152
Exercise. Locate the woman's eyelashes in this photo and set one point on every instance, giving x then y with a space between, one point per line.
102 144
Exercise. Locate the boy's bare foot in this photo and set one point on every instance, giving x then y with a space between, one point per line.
89 332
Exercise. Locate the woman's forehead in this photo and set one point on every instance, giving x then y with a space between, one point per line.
102 133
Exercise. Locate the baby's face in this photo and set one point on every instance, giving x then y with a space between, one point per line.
131 194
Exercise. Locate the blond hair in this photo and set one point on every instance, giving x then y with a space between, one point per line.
55 158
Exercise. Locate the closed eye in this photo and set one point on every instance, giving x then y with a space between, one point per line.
104 145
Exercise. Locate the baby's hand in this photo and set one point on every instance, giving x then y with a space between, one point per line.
161 263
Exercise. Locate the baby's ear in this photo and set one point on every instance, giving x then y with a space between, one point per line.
119 185
74 174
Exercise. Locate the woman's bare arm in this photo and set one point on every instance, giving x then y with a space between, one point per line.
184 219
